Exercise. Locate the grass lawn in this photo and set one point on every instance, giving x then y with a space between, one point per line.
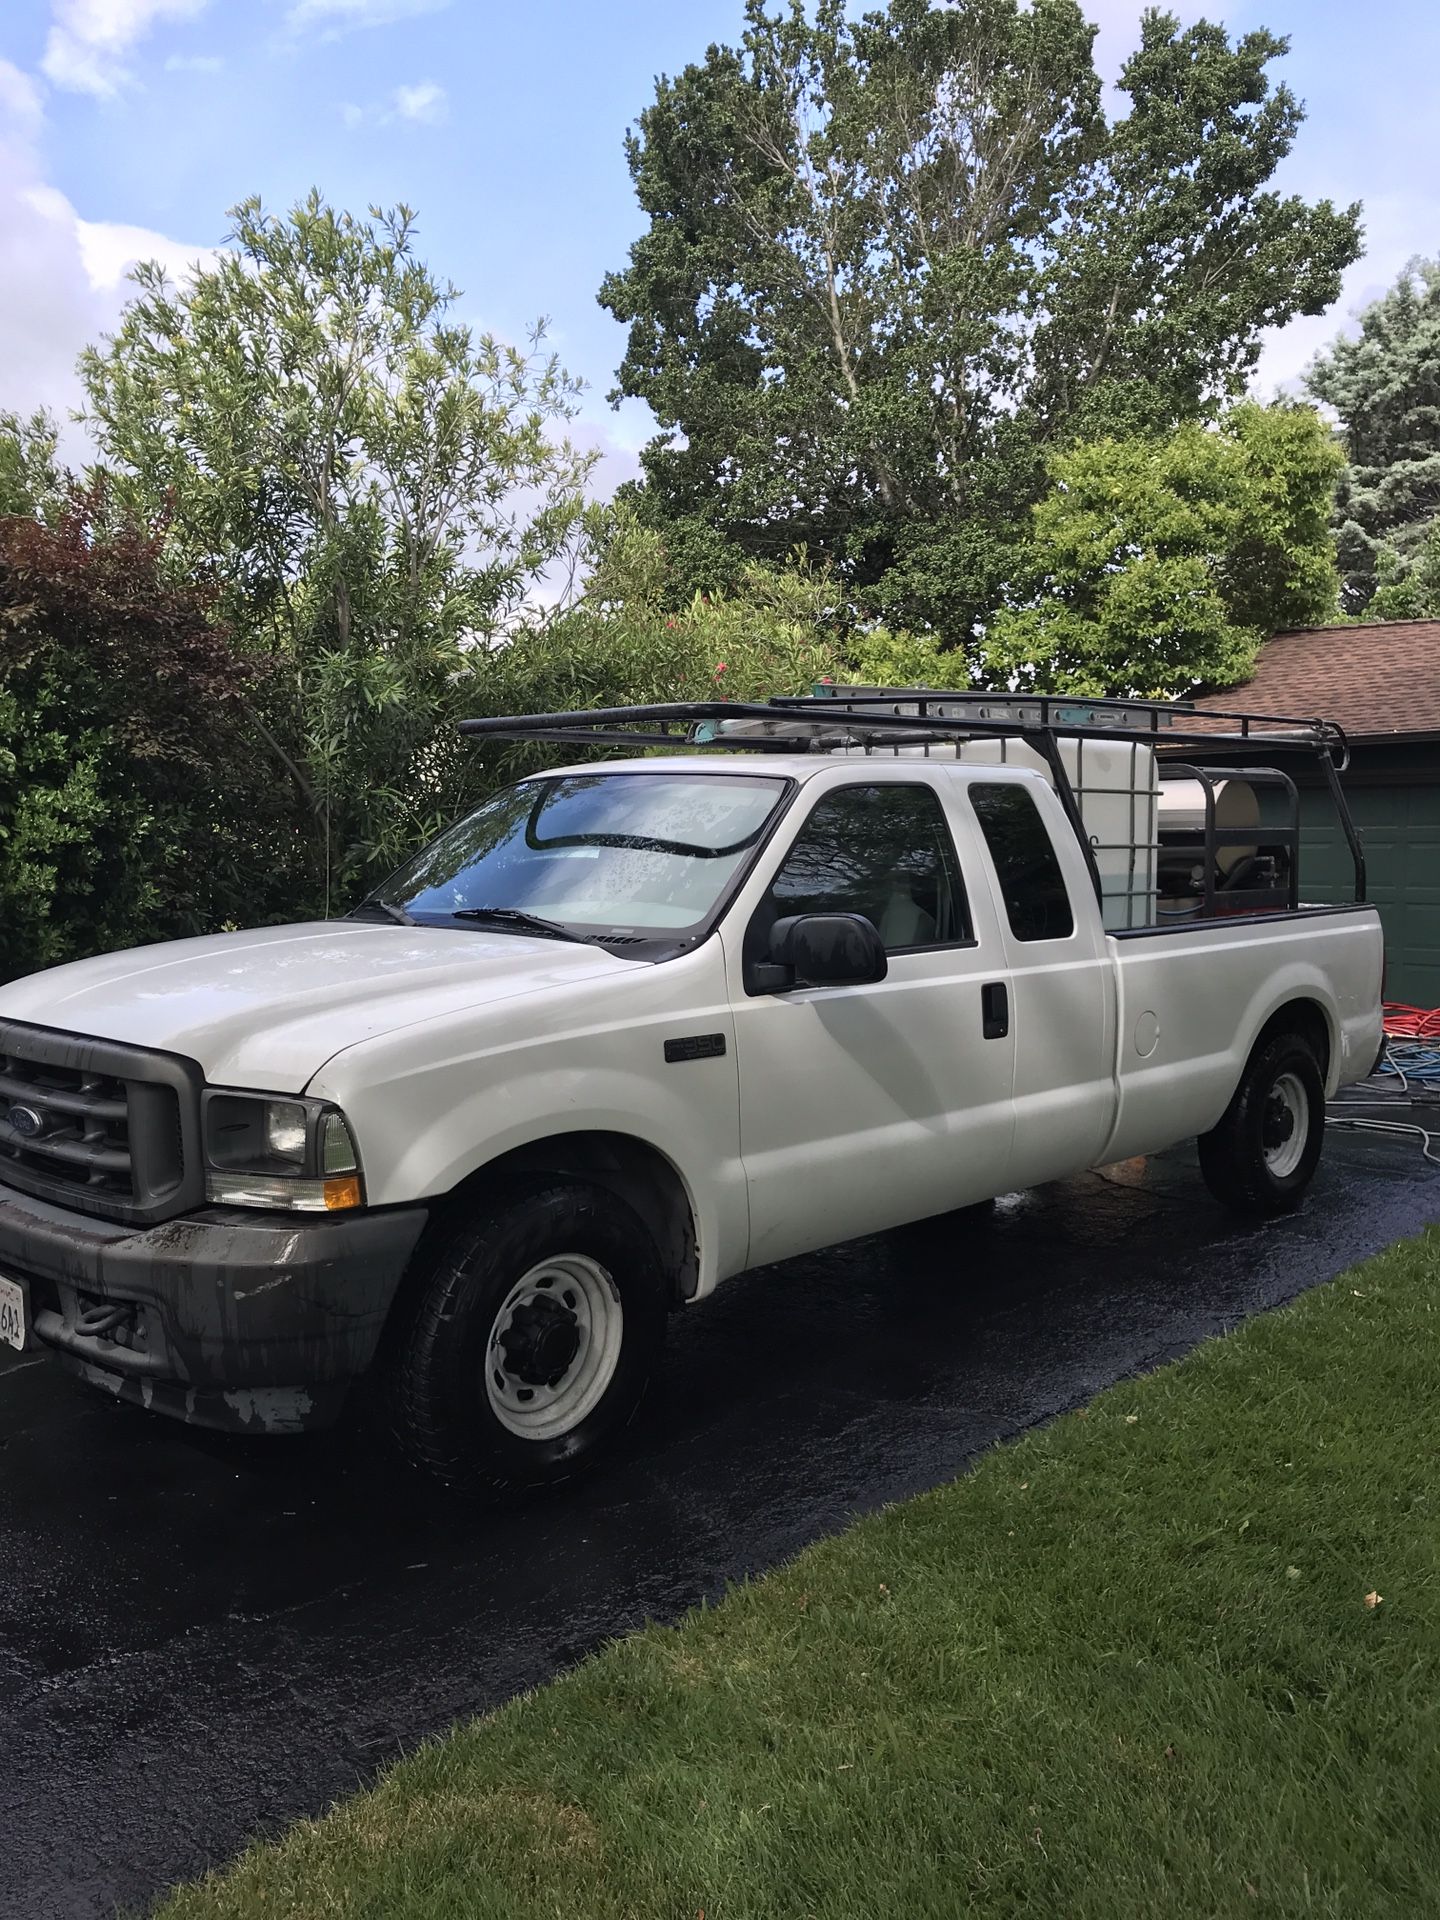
1178 1654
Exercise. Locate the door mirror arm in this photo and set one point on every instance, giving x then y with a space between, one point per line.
767 976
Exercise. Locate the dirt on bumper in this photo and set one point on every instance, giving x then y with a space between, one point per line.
251 1324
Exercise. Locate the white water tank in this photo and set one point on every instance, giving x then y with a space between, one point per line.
1117 789
1237 811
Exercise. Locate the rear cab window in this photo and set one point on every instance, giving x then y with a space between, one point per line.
1037 902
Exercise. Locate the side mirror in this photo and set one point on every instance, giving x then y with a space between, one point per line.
826 950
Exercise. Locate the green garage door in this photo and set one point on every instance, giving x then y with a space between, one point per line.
1401 825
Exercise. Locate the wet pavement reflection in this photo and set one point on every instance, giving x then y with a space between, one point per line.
203 1639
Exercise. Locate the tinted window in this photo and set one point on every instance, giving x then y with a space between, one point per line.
1025 860
882 851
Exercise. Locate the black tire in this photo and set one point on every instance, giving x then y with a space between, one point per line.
442 1410
1251 1161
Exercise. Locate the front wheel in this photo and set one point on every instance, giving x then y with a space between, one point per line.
529 1345
1262 1155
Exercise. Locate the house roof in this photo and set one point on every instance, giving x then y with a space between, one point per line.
1380 677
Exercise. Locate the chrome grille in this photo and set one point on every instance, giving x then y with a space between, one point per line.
69 1124
97 1125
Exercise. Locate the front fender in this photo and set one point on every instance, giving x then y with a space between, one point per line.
436 1162
433 1105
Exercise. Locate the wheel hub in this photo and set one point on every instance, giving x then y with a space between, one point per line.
1279 1122
554 1346
540 1343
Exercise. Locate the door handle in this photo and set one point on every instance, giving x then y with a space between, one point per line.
994 1010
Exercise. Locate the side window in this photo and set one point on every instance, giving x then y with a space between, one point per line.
1025 859
883 851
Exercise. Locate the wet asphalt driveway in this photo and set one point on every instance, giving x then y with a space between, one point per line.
200 1640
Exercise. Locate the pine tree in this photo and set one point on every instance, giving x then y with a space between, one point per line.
1384 385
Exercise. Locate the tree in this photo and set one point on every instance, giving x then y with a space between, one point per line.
378 489
1160 565
131 807
631 640
31 479
892 262
1408 585
1384 386
627 641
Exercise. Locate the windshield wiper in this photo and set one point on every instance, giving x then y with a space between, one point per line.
521 921
397 914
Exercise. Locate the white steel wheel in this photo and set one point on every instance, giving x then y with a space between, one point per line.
1286 1126
1261 1154
554 1347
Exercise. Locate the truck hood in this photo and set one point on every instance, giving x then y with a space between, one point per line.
268 1008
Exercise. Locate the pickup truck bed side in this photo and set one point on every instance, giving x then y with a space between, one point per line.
1194 999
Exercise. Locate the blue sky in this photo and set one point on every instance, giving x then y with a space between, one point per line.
128 126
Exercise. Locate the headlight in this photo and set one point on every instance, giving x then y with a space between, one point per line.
264 1151
285 1129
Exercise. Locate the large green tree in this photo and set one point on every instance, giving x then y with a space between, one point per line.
892 261
1384 386
1159 566
377 489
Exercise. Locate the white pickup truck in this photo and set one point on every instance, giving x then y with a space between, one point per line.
630 1028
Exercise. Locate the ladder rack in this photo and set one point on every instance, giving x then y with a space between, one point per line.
802 722
884 719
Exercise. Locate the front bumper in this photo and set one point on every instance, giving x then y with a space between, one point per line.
252 1324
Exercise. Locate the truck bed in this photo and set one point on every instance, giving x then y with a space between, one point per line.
1191 995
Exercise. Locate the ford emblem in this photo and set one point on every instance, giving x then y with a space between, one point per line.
26 1122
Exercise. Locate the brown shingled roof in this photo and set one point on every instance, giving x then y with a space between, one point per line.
1379 678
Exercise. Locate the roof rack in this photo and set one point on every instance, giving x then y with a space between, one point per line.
887 717
910 715
1078 716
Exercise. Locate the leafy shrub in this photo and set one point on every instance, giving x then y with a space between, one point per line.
132 805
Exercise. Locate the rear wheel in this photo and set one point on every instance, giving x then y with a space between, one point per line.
1263 1154
529 1345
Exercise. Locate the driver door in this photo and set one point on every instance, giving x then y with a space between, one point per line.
865 1106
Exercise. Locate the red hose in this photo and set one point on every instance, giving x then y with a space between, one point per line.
1411 1023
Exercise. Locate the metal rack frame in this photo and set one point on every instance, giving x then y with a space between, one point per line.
1311 736
1210 840
885 718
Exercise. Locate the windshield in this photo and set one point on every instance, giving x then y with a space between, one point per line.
605 853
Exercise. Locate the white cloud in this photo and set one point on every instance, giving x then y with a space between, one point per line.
1397 227
86 48
108 251
425 104
194 63
331 18
21 108
63 275
593 432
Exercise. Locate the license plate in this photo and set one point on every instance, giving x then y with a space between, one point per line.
12 1313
